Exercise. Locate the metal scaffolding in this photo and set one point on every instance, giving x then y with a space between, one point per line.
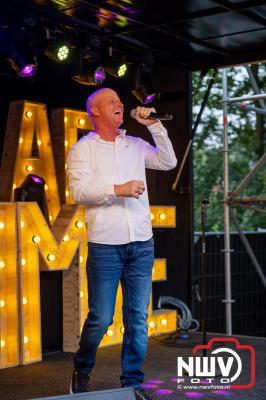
231 199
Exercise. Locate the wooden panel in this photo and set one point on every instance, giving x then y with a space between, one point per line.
163 216
66 124
26 123
71 307
67 242
8 287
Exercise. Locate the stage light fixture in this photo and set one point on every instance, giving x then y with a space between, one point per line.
63 52
23 57
24 63
91 76
143 88
87 69
19 48
117 69
33 189
57 45
114 64
56 50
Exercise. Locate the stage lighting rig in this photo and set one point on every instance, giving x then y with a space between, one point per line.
143 87
19 48
114 65
33 189
58 46
24 64
87 68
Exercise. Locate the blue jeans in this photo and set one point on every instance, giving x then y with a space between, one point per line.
131 264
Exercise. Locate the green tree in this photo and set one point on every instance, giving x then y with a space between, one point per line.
247 143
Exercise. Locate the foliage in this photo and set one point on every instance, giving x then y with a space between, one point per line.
246 140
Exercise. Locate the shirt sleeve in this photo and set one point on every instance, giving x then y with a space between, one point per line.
162 156
83 189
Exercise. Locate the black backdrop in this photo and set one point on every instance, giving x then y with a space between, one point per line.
54 87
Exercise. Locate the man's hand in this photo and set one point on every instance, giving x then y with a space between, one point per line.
129 189
142 115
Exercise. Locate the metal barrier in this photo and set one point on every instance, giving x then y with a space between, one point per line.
249 308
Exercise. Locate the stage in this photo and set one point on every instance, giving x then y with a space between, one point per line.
51 377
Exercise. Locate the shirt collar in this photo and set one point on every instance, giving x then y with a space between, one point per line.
96 136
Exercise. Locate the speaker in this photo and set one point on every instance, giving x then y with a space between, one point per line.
116 394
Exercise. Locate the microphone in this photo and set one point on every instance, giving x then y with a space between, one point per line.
162 117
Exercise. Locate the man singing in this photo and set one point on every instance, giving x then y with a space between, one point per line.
106 171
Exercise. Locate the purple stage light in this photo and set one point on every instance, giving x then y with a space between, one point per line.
99 75
173 380
222 392
163 392
37 179
150 98
194 395
28 71
155 381
149 386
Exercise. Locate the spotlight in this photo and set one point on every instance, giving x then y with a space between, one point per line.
143 88
63 52
88 70
24 69
118 69
115 66
56 51
32 189
19 49
24 64
57 48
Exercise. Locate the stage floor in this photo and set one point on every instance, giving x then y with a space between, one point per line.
51 377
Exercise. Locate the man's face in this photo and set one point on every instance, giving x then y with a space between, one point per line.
110 108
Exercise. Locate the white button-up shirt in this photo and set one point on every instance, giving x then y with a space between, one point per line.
94 166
